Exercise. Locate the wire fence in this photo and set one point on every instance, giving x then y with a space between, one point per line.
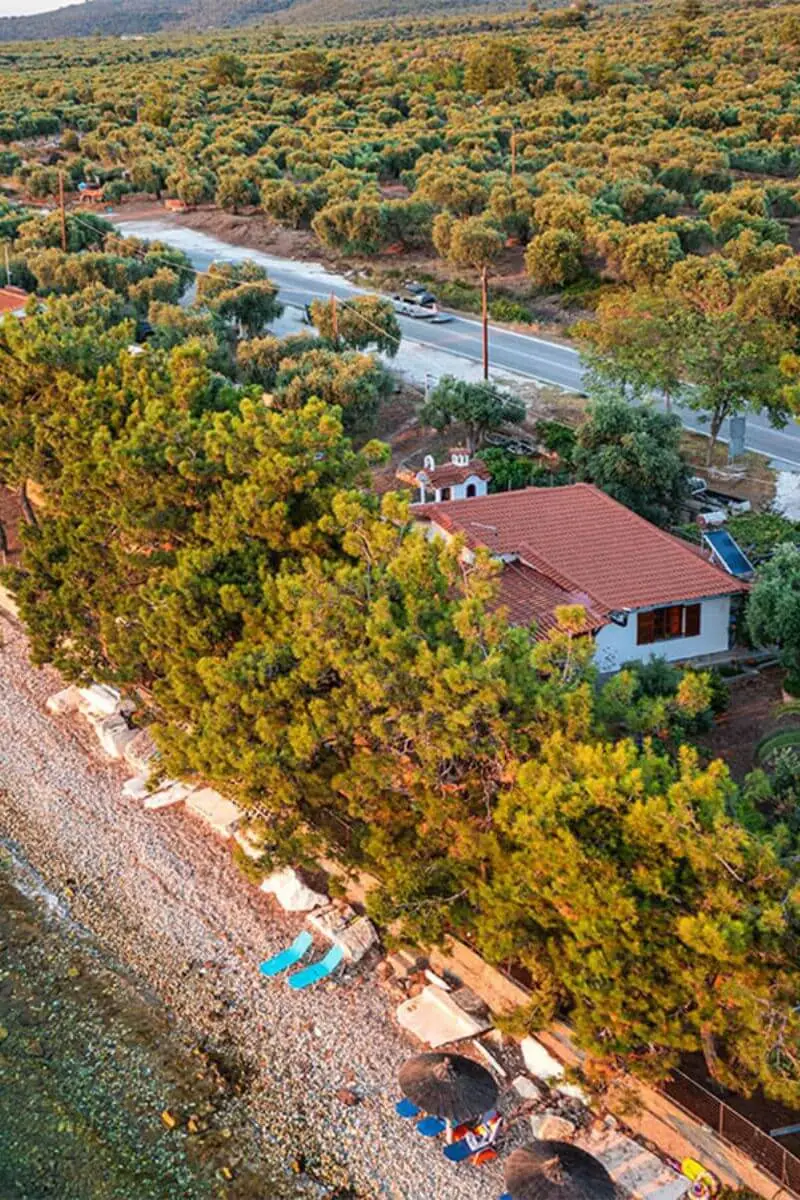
766 1151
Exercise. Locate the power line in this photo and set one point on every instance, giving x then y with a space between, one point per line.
141 252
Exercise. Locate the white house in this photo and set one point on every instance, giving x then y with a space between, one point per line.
644 592
462 478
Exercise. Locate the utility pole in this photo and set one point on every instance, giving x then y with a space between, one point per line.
485 319
8 264
335 318
513 154
63 215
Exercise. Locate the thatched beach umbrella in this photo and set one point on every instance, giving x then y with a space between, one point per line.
556 1171
449 1086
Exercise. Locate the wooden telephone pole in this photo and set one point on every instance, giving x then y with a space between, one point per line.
485 320
63 214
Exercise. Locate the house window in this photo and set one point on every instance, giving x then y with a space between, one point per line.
444 494
470 490
691 620
663 624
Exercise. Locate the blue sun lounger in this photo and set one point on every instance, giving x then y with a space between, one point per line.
318 970
459 1151
406 1108
431 1127
289 957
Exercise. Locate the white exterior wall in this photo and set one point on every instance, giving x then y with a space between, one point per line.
617 644
458 491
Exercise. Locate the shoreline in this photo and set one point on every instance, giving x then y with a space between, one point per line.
164 898
89 1060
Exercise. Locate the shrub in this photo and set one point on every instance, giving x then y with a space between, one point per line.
774 742
503 309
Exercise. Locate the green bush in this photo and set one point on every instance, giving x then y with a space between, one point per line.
760 533
720 692
558 438
509 471
255 870
503 309
689 532
774 742
460 295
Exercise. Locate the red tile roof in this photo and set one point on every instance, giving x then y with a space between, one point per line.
578 546
450 473
531 598
12 298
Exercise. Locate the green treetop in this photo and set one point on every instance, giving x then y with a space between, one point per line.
773 610
634 455
478 407
647 913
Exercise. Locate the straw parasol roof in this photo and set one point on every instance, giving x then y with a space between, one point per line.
556 1171
448 1085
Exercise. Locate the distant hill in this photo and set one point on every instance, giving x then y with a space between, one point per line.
120 18
131 18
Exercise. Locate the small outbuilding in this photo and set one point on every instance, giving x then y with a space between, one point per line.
462 478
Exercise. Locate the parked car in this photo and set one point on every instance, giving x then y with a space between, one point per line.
421 305
419 294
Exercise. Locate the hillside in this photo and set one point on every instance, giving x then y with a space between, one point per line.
131 18
118 18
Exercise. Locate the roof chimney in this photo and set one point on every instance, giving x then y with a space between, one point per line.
459 456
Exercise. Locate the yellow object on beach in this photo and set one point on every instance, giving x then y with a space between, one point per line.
705 1184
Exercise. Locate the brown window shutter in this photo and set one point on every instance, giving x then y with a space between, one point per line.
692 620
674 621
645 628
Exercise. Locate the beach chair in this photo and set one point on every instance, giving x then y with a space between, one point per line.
431 1126
477 1143
407 1108
459 1151
289 957
326 966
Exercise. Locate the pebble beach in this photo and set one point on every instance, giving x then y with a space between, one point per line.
165 901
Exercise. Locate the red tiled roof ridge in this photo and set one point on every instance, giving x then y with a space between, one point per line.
529 556
635 519
526 554
592 621
525 551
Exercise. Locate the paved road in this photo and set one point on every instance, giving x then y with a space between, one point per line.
548 362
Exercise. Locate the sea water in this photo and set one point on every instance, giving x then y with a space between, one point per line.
100 1097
